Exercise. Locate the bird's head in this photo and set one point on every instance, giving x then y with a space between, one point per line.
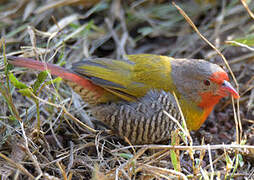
215 87
201 85
202 82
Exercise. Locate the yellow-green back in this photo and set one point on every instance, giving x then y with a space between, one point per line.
129 79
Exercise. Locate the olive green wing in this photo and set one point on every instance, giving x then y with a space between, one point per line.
128 79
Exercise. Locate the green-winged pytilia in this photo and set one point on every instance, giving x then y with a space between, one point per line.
130 96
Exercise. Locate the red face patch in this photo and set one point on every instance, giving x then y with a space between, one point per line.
219 77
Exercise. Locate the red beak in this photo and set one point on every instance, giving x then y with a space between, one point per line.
228 88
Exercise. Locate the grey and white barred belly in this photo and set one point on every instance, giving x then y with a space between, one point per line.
143 121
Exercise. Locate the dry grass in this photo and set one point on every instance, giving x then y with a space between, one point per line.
43 127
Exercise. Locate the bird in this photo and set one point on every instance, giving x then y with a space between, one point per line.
132 95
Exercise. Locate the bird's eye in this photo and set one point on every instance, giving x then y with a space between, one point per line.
207 82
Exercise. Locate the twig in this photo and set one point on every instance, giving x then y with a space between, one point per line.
160 171
240 44
184 122
210 160
18 166
215 161
201 147
32 157
62 170
247 8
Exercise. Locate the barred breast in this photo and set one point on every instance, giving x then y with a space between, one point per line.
143 121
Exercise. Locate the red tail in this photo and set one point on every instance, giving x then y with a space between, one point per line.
42 66
66 74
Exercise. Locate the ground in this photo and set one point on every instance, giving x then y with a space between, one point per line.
62 32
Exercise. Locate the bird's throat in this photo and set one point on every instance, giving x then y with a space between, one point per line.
196 114
208 101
